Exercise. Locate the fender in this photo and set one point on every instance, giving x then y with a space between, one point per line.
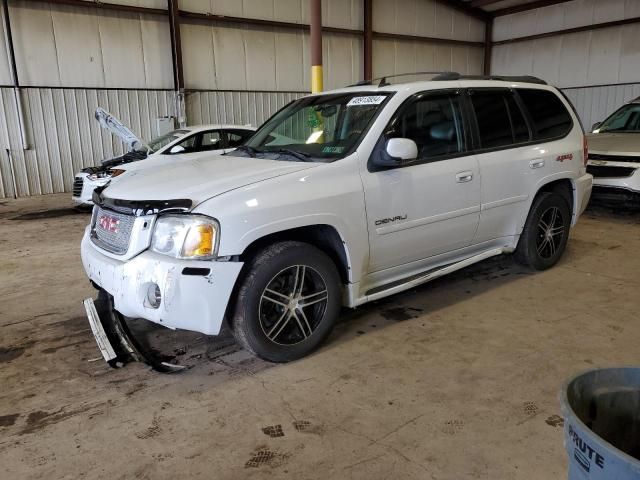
565 175
282 225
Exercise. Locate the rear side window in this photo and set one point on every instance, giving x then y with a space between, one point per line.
550 117
500 121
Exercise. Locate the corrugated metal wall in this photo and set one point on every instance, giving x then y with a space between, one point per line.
430 19
594 104
63 135
598 57
235 107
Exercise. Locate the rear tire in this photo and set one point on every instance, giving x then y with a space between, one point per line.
287 302
545 234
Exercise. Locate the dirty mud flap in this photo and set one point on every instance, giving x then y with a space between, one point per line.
115 341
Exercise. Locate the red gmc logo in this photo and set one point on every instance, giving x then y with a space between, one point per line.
109 224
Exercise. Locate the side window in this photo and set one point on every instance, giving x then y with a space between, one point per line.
433 122
500 120
236 138
549 115
188 145
518 123
211 140
492 117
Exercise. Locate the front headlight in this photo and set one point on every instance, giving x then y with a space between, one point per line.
100 174
186 236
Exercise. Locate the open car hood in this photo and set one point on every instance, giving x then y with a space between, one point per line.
115 126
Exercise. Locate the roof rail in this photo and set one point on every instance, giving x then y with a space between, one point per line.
383 80
444 76
504 78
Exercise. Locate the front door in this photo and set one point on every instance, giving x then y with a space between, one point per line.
429 206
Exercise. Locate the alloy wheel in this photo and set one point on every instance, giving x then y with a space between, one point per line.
551 230
293 304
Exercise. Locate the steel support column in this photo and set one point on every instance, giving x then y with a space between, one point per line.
176 58
368 39
316 45
488 45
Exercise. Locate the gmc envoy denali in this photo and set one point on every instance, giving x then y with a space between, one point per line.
340 198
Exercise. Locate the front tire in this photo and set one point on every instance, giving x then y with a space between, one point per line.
287 303
545 233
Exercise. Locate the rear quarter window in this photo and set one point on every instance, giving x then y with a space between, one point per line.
549 115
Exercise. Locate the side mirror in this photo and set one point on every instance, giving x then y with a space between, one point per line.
402 149
396 152
177 149
595 126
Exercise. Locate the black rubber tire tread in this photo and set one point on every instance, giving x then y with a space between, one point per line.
257 273
526 253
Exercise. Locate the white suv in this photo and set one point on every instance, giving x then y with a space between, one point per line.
340 198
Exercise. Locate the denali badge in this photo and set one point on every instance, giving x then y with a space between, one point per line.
382 221
109 224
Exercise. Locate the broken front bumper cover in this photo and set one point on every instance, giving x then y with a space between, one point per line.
115 341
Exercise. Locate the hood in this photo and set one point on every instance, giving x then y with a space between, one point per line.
198 179
614 143
158 160
115 126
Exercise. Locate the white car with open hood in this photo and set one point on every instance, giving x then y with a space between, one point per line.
178 145
339 199
614 156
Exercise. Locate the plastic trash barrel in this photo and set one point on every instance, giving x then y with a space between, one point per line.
601 409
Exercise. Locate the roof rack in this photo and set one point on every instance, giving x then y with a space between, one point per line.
504 78
444 76
384 83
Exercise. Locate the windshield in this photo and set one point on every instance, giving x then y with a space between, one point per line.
317 128
625 119
163 140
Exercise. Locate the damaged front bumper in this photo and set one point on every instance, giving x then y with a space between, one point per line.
115 341
191 295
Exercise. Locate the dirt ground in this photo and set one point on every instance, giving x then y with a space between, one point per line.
458 379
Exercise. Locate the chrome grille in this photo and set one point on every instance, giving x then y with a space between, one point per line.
112 230
77 186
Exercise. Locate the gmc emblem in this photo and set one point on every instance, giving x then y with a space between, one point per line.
109 224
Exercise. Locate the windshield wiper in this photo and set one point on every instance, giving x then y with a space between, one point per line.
302 156
244 148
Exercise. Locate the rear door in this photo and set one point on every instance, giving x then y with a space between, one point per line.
506 159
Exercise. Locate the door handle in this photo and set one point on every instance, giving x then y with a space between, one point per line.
463 177
536 163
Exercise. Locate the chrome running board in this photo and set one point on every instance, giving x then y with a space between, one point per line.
414 281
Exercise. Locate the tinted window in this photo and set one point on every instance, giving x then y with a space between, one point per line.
433 123
188 145
235 138
500 121
518 123
492 116
211 140
549 115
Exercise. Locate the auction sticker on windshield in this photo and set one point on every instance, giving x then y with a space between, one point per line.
368 100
